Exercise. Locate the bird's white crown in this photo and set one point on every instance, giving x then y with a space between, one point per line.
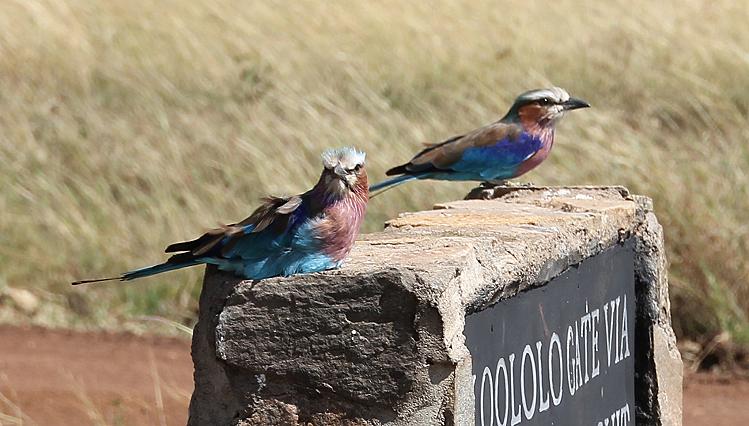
556 95
347 157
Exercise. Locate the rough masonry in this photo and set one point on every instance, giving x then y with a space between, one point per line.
381 340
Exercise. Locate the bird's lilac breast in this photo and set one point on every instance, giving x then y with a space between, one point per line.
547 141
338 231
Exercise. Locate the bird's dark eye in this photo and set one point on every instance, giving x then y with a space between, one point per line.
357 168
545 101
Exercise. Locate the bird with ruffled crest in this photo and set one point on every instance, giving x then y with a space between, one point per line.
310 232
505 149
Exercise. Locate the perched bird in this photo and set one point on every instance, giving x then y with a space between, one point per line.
502 150
311 232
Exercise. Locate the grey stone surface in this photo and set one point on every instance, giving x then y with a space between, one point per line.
380 341
659 372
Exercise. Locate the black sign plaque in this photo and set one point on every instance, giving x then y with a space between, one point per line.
561 354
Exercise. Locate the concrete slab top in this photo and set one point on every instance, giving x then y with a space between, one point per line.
524 234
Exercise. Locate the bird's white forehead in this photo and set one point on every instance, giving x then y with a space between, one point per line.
554 94
348 158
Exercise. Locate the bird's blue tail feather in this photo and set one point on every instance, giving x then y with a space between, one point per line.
156 269
393 182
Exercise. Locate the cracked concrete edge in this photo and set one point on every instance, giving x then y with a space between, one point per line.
212 397
661 400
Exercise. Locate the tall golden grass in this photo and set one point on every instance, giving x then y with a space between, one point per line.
128 125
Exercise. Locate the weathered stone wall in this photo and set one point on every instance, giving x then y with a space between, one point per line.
381 341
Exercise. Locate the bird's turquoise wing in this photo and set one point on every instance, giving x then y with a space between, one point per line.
288 245
263 230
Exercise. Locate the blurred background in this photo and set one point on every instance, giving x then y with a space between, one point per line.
125 126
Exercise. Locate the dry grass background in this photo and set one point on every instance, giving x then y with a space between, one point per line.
128 125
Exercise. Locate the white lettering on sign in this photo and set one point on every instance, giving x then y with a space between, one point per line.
596 368
487 374
528 409
556 396
501 366
544 400
620 417
515 415
543 372
611 329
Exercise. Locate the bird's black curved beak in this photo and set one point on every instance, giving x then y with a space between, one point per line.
574 103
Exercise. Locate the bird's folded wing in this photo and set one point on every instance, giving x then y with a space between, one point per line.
443 155
274 211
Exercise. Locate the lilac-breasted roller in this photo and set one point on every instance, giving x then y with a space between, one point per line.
505 149
310 232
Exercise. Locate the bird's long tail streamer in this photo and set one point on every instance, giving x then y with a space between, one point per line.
379 188
142 272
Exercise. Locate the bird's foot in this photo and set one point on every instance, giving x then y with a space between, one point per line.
492 189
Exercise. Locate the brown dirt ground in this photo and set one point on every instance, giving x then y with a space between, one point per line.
69 378
716 400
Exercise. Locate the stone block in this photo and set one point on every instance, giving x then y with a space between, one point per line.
381 340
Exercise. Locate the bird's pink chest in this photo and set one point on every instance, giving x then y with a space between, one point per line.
341 226
547 141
